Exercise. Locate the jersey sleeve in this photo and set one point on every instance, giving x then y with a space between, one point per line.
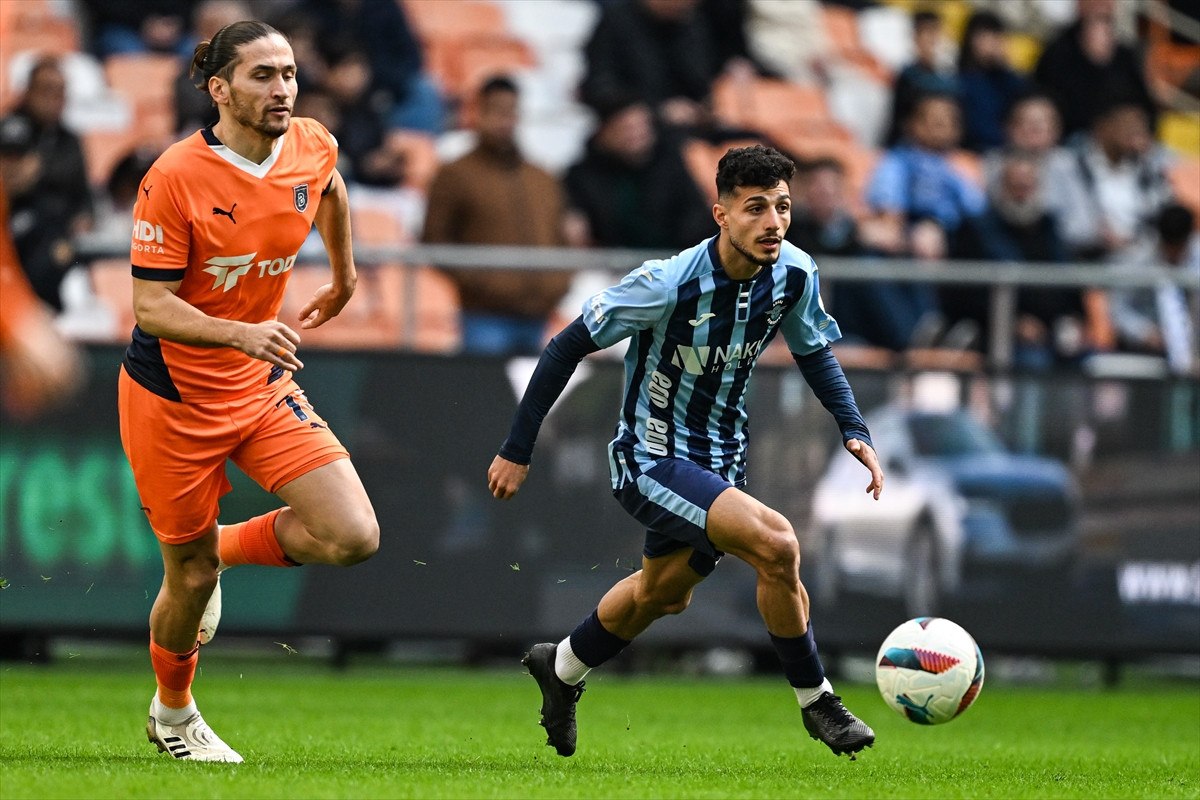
161 237
638 302
807 327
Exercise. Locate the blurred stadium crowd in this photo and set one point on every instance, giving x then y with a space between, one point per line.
1048 131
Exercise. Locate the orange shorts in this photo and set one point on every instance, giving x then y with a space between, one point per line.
178 450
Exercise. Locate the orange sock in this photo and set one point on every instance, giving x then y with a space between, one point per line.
253 542
175 672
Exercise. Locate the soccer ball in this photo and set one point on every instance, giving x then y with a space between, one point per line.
929 669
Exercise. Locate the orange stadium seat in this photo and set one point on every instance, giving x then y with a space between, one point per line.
147 82
102 149
394 307
702 157
841 25
376 227
455 19
1185 179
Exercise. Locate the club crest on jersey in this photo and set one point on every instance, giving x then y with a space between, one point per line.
300 197
775 314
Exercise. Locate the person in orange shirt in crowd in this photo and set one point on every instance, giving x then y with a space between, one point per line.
208 375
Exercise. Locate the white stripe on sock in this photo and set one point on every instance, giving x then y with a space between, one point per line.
567 666
807 695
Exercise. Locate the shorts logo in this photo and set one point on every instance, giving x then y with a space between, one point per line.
300 197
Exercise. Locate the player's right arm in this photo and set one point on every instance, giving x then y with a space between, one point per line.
162 313
616 313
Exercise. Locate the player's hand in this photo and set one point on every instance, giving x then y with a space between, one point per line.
273 342
326 303
866 454
506 477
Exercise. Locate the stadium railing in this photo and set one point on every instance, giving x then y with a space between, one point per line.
1003 279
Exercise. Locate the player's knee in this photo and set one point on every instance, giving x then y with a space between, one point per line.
197 576
779 553
357 540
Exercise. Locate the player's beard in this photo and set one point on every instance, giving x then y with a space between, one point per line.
762 261
246 115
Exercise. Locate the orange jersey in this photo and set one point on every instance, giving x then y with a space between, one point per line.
229 229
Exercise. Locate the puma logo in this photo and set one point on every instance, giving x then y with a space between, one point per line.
146 190
228 213
703 318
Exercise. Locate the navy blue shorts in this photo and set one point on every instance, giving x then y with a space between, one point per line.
672 499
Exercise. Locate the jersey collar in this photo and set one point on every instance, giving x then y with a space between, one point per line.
241 162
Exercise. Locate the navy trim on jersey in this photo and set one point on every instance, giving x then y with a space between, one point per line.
144 363
164 275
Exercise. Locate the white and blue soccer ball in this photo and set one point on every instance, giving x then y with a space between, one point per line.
929 670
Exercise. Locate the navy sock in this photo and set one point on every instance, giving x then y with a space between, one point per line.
801 664
592 644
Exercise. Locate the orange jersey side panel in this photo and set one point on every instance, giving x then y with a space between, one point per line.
231 231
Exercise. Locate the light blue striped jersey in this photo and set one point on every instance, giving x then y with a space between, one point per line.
695 337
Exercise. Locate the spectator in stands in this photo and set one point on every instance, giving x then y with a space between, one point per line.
632 188
822 222
114 207
56 205
193 109
493 195
398 78
158 26
931 73
1086 65
1160 320
360 121
917 202
1033 130
1017 226
661 51
988 86
1120 181
916 197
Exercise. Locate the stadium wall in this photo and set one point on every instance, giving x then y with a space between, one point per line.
77 556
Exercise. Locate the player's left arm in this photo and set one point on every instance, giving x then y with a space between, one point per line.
333 223
809 330
824 375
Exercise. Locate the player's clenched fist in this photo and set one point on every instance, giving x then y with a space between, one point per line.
505 477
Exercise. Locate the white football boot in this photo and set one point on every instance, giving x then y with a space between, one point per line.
191 739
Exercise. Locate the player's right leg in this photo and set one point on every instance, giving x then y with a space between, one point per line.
179 488
744 527
175 725
662 586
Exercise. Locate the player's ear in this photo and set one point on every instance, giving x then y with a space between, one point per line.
218 89
720 214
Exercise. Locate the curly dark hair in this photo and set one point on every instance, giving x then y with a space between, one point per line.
756 165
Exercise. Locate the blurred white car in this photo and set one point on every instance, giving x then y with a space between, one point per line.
957 510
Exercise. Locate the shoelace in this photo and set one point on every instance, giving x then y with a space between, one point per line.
830 706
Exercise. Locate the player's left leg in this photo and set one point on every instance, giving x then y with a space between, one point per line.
744 527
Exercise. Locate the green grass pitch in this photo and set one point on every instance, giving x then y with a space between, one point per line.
75 729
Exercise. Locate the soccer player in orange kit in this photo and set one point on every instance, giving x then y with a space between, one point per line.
208 374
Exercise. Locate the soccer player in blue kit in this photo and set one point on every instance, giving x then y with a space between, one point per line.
697 323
